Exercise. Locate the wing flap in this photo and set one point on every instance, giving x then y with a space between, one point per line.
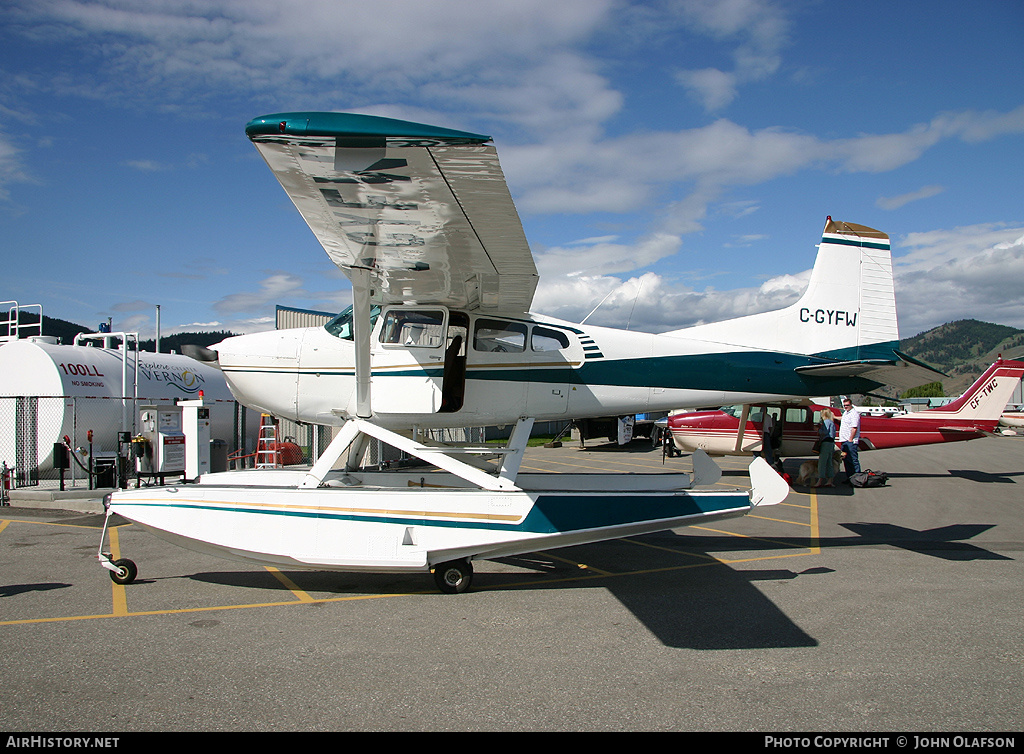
425 210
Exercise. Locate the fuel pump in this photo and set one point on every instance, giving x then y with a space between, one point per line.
163 445
195 424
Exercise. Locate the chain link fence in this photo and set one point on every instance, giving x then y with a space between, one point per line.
95 428
99 431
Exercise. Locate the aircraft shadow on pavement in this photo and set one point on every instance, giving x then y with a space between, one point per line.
971 475
944 542
986 477
10 590
692 603
709 607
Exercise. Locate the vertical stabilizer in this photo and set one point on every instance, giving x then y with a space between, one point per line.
986 398
848 310
877 296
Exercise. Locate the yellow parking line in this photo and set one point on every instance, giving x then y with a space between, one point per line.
778 520
120 599
771 557
290 585
815 532
581 566
206 609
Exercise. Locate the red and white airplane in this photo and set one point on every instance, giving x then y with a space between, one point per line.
737 430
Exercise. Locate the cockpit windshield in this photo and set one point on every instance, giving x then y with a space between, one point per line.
341 326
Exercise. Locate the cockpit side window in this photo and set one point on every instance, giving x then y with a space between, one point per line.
413 328
546 339
499 336
341 326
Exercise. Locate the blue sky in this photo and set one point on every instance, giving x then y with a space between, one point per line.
678 158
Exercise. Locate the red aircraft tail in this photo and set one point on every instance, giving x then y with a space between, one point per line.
987 397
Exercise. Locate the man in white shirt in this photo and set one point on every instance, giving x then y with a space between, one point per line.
849 436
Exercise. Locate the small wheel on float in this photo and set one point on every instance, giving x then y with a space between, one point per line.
125 573
453 577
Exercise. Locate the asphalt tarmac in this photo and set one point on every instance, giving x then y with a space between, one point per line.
898 609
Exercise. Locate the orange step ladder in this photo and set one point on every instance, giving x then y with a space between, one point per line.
268 453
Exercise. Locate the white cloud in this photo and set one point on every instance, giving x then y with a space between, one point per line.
524 67
973 272
11 169
761 30
275 289
653 303
146 166
602 257
514 60
895 202
714 89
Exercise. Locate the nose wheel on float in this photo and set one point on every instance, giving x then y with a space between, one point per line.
122 570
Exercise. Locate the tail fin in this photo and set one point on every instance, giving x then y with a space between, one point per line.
987 397
848 311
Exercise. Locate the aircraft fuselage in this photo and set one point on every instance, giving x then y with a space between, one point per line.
434 367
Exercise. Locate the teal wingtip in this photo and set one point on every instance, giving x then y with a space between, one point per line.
352 125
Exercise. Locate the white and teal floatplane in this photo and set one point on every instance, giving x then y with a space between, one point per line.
440 334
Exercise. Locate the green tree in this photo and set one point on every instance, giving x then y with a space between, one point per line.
931 390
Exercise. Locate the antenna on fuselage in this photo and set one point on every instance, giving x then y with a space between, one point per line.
598 306
639 288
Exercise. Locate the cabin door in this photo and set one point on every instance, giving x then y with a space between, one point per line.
408 361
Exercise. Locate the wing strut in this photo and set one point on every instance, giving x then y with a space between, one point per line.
360 277
440 456
742 428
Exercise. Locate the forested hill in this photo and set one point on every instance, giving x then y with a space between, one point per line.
174 342
964 349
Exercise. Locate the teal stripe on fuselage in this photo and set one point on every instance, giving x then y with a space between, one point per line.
551 514
739 371
743 371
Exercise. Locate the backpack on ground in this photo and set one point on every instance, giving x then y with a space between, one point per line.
869 478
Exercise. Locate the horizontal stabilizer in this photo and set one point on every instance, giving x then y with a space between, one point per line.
205 355
767 487
902 373
705 471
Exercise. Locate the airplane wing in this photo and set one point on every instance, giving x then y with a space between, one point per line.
425 209
903 372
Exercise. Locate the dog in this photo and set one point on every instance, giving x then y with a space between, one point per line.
808 475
